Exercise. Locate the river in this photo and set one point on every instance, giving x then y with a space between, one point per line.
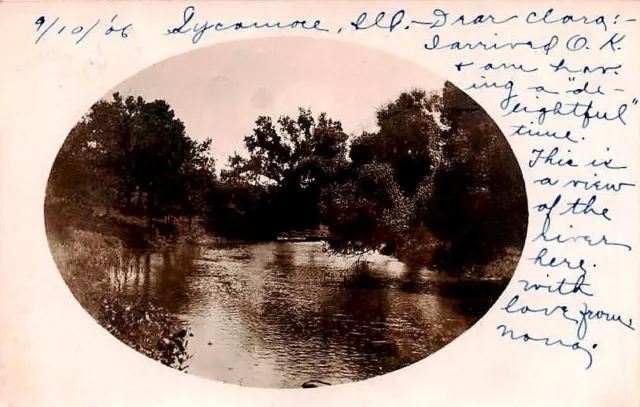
279 314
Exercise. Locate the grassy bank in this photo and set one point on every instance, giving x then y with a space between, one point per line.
89 244
87 251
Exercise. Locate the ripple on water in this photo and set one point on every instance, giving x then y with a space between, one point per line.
279 314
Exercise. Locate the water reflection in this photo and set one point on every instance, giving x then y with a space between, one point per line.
278 314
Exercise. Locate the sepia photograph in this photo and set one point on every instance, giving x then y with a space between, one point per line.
286 212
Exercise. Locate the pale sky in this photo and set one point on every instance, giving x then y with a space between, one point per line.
219 91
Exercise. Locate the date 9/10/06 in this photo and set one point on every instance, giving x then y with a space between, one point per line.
54 26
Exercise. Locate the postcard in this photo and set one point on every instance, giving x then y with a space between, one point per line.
276 204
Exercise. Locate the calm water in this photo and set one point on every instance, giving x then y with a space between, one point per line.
278 314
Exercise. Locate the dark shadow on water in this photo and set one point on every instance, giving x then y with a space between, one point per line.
310 315
365 278
474 310
460 288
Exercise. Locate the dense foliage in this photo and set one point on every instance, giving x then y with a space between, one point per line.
134 156
436 184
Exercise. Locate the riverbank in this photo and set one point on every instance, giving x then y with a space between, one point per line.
104 234
134 232
91 247
87 248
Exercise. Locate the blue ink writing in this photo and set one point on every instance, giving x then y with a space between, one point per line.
608 164
613 42
541 88
597 185
523 130
550 158
586 208
80 31
579 110
546 181
489 46
532 18
461 65
562 67
585 89
519 67
542 260
396 20
198 30
588 239
442 16
122 30
510 308
561 286
588 314
576 346
507 85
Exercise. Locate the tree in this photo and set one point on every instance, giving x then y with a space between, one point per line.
291 161
365 211
134 156
377 202
408 139
434 184
479 202
239 210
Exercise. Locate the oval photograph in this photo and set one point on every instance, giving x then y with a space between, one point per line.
286 213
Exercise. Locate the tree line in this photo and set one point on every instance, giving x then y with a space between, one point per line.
436 184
